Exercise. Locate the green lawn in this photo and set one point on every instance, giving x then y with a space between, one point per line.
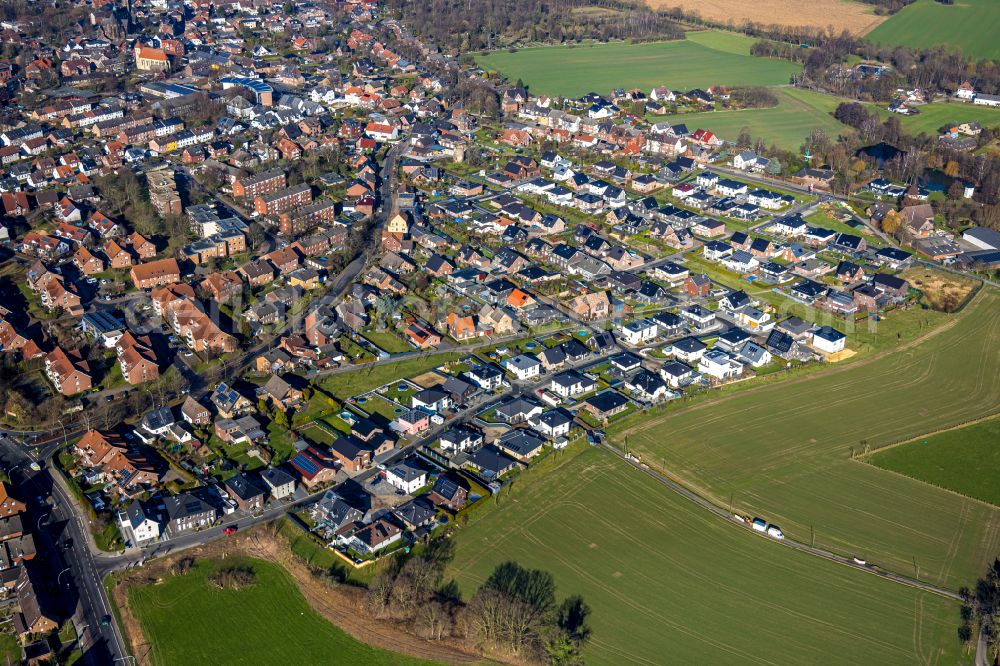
783 451
10 649
388 341
189 621
344 385
968 25
822 219
966 460
671 584
703 60
786 125
938 114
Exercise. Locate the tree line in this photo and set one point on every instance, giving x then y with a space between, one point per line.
981 607
513 613
463 25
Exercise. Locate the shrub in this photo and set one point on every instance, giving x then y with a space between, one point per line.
234 578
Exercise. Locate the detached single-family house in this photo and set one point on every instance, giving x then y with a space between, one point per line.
279 483
522 445
554 423
523 366
719 364
406 477
432 399
828 340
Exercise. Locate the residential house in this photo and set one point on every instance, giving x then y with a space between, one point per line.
187 511
406 477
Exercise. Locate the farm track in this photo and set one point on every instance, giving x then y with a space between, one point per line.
833 557
340 605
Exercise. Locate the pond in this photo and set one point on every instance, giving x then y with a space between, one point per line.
935 180
880 152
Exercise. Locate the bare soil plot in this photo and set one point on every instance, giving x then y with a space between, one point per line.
428 379
841 14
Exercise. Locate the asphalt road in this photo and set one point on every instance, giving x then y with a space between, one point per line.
62 545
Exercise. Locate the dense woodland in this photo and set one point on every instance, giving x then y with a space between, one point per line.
463 25
887 6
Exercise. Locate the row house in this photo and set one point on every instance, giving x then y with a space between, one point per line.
115 126
92 117
45 247
70 232
222 286
52 291
134 136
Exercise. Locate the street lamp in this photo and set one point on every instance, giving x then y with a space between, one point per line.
59 577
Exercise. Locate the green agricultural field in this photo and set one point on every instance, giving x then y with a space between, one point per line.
701 61
966 460
939 114
783 451
670 583
189 621
967 25
786 125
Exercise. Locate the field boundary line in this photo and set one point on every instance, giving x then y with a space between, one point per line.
711 506
984 503
863 457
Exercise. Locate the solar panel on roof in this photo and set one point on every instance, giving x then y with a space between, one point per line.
306 464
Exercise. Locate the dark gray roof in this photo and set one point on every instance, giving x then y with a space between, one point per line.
185 505
275 476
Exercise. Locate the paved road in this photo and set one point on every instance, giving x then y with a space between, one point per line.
106 563
790 543
62 544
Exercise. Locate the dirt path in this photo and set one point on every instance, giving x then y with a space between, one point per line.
339 604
